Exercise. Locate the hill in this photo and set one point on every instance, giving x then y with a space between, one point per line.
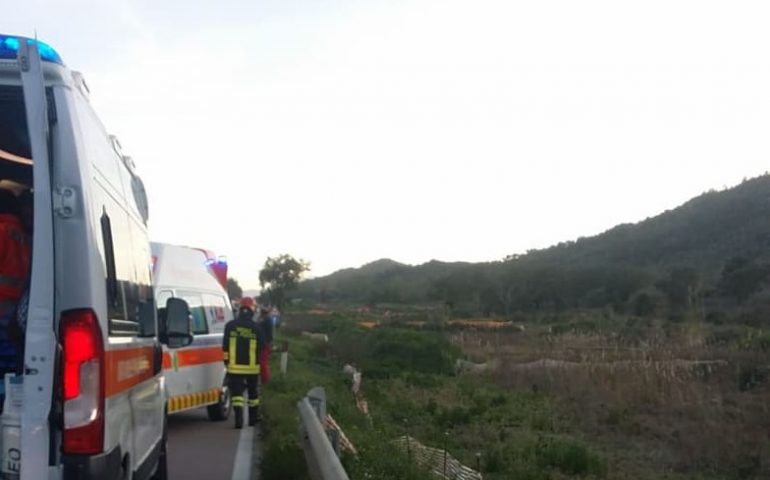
708 255
703 232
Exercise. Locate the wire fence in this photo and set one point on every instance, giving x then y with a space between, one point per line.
438 461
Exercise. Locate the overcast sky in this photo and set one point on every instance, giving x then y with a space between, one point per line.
345 131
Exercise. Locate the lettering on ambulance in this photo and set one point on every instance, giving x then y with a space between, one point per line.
126 368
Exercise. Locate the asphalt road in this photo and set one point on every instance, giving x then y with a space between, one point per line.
199 449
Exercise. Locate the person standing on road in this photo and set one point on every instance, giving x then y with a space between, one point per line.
266 328
240 346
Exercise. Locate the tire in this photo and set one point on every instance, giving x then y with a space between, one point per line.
220 411
161 473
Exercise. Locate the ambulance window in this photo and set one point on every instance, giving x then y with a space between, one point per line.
163 297
131 306
216 310
140 287
197 309
111 248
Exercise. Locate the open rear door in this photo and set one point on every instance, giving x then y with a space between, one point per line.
40 358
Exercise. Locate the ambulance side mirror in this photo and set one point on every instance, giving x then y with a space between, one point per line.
177 323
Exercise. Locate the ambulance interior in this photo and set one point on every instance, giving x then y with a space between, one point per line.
15 199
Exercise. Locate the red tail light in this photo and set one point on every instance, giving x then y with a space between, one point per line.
83 382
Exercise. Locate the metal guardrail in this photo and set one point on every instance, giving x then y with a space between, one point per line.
322 457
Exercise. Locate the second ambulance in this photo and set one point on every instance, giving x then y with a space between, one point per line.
195 374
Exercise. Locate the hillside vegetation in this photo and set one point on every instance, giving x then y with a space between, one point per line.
706 259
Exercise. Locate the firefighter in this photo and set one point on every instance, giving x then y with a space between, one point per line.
240 346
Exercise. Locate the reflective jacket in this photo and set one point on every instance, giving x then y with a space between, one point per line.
15 257
240 345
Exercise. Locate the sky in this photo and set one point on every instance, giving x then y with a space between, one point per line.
344 131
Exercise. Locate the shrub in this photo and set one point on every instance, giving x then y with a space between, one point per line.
392 351
566 455
751 376
759 343
283 460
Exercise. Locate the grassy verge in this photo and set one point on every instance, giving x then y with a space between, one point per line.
283 457
411 389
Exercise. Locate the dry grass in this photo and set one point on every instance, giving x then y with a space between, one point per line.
668 403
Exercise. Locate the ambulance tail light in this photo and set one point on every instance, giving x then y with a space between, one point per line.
83 383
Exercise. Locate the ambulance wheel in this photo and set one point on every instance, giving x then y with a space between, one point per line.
220 411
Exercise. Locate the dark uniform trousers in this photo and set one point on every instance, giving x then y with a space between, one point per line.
237 383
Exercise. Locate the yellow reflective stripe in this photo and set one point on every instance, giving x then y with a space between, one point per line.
252 352
254 403
237 401
243 369
193 400
231 351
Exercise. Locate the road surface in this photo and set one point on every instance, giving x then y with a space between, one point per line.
199 449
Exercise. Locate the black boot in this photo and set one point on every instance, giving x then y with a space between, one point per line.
238 417
254 416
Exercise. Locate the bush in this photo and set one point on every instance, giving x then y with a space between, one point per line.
759 343
387 352
568 456
725 336
283 460
751 376
382 461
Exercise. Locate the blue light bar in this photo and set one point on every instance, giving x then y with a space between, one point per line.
9 49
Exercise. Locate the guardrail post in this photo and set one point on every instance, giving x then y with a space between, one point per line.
317 398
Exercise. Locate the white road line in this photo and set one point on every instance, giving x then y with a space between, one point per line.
243 456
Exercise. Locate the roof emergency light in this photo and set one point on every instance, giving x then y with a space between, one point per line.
9 49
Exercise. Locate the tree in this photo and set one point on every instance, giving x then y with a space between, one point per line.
280 275
234 291
683 287
741 278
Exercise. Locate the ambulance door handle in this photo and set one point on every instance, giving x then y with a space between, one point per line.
157 358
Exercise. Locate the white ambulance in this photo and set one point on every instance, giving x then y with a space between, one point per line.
90 403
195 374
